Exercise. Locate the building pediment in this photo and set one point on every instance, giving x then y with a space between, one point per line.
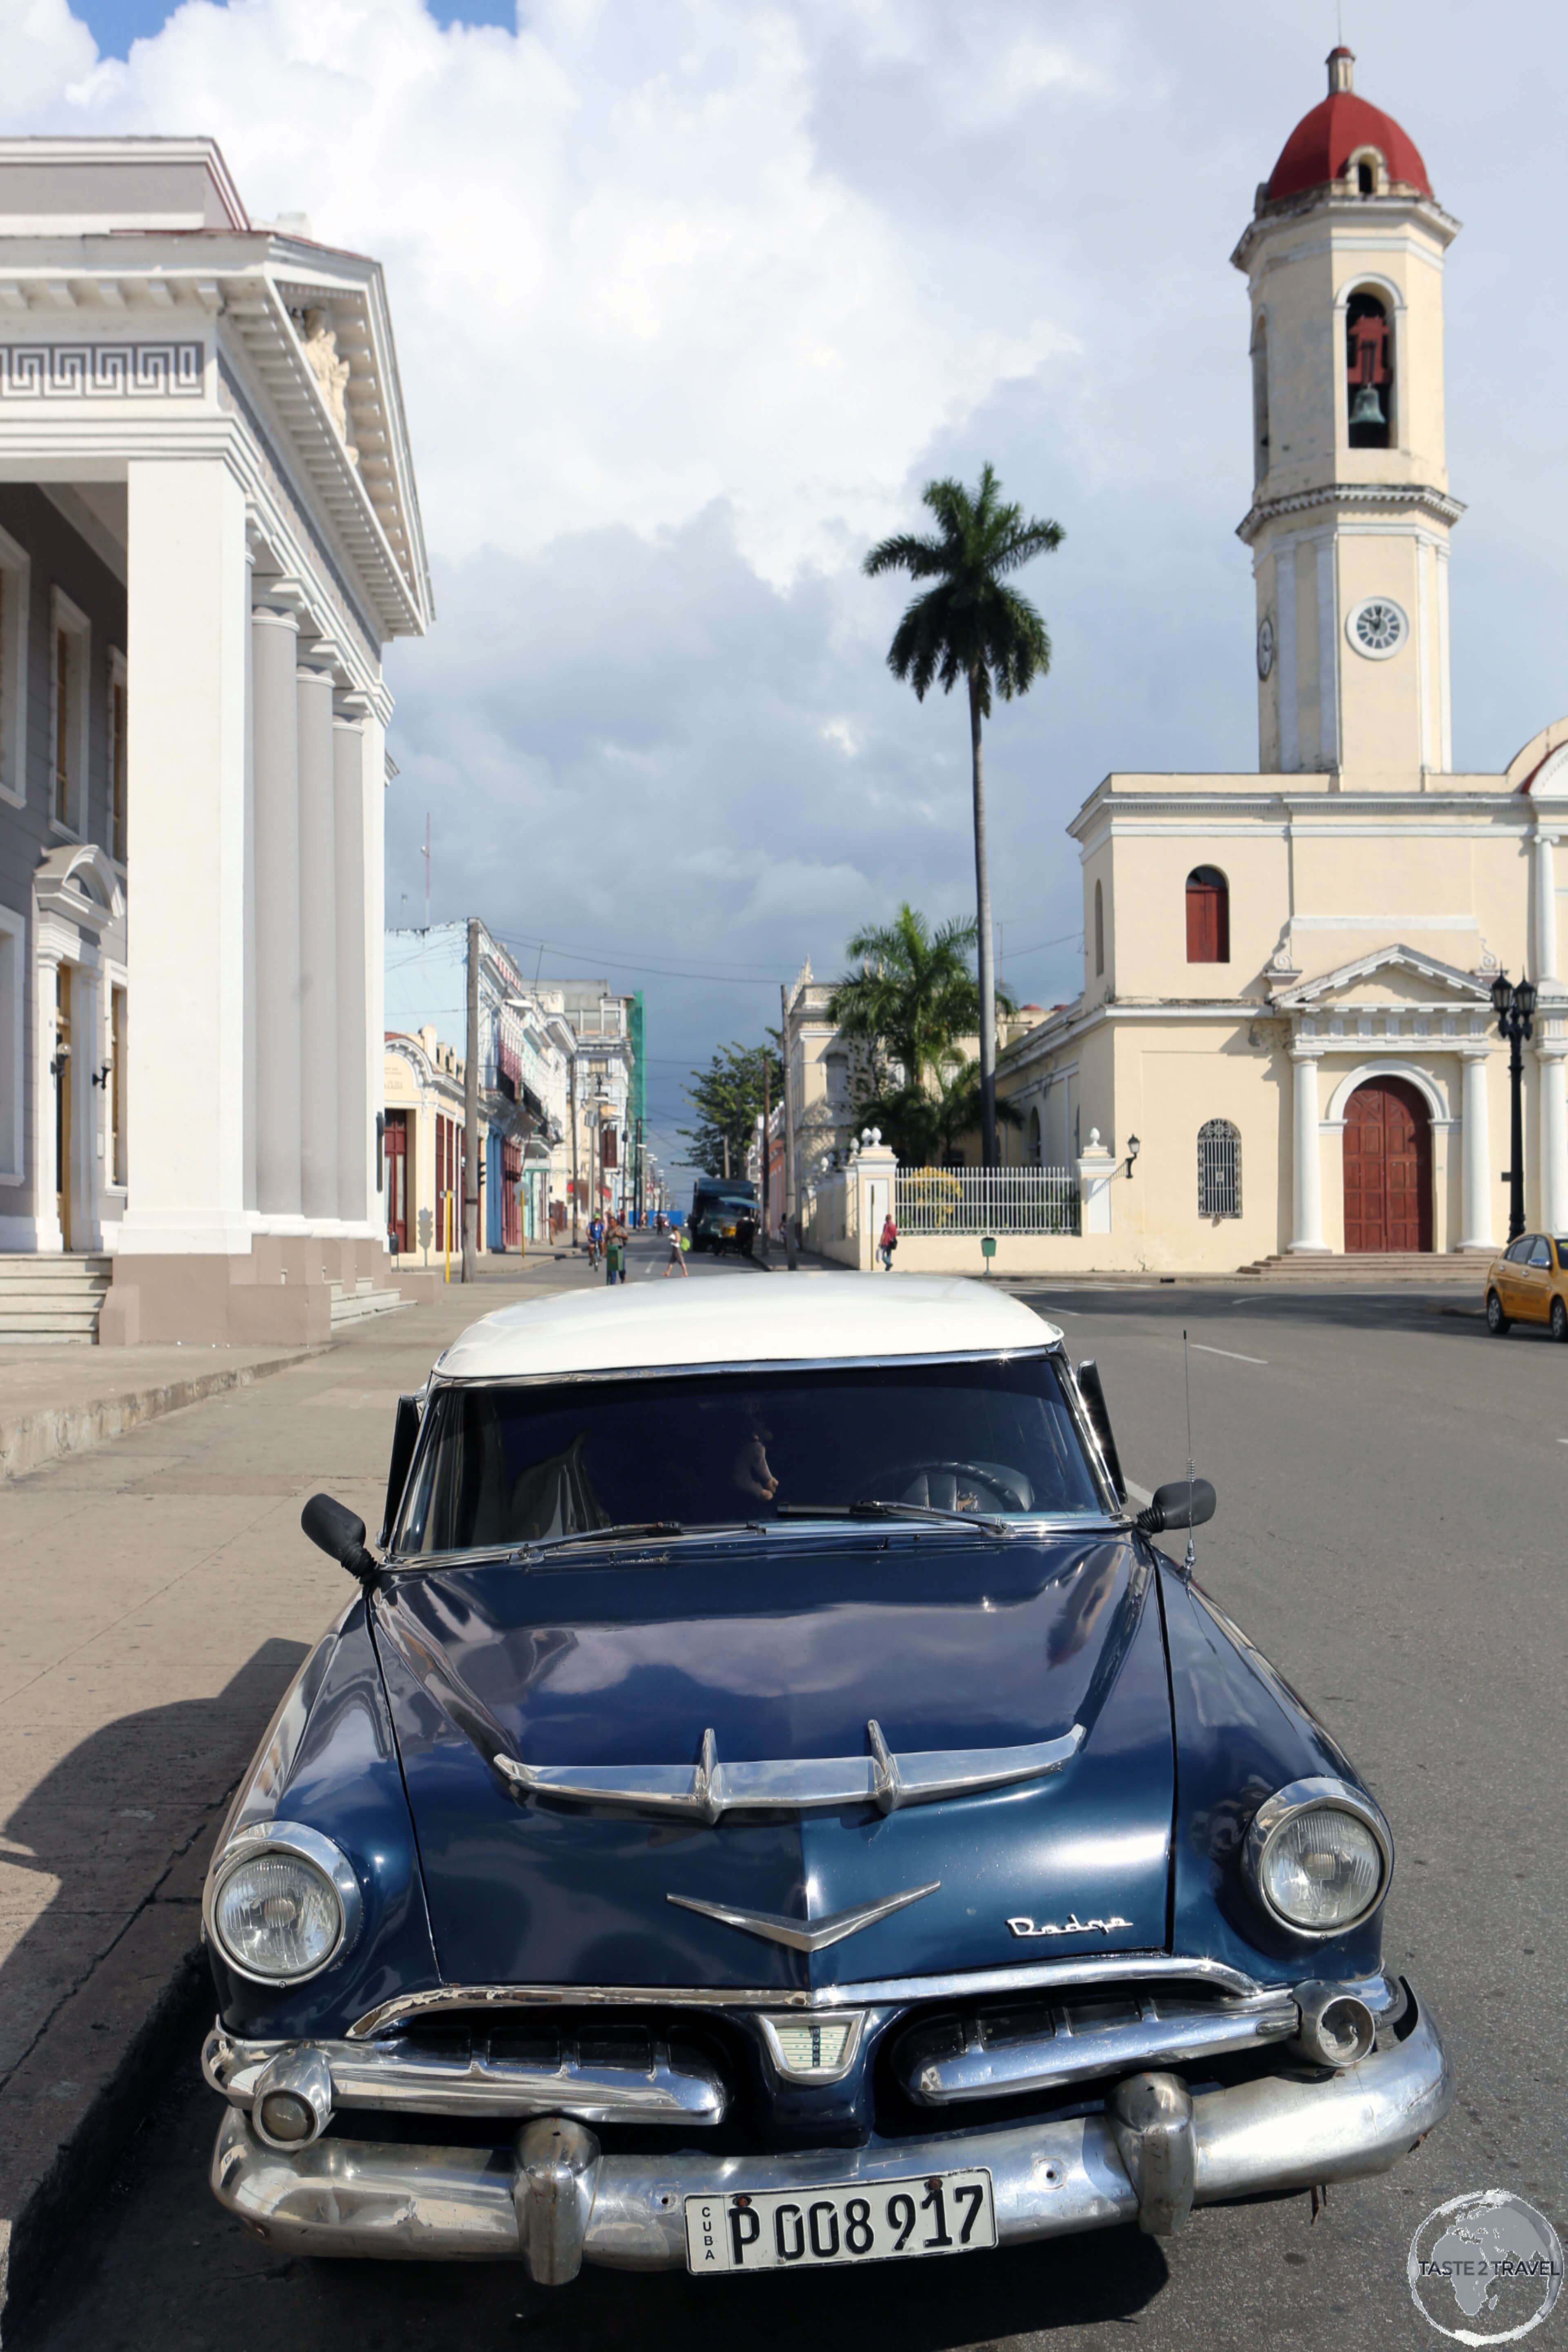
1389 975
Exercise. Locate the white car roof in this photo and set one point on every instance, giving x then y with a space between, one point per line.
804 1318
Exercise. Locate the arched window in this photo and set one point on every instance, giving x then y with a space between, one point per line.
1219 1169
1098 929
1208 916
1369 372
1260 402
1365 180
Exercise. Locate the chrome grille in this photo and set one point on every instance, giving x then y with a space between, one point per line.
1006 2052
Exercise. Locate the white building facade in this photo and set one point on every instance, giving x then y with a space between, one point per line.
208 531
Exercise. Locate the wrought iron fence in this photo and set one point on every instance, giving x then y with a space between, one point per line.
987 1201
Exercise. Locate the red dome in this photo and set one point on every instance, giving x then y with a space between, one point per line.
1322 142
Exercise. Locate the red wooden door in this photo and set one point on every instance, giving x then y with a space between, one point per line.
395 1141
1388 1168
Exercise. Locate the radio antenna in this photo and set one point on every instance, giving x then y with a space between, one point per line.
1191 1561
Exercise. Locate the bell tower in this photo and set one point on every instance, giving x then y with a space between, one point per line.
1350 512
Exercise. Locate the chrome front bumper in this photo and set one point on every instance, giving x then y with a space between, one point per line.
556 2202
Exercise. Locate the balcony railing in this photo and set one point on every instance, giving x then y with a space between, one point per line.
987 1201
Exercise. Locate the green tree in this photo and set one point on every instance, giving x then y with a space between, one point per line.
914 993
727 1099
926 1124
970 626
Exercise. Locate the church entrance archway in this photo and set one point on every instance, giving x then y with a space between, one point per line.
1388 1168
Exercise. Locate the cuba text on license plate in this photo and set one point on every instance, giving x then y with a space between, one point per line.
869 2221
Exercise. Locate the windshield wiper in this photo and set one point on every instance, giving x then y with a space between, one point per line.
603 1535
876 1510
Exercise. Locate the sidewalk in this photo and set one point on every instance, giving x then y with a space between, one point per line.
157 1595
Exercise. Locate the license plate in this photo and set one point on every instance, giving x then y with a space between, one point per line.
808 2228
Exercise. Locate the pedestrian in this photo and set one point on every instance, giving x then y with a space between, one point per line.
615 1252
678 1248
889 1243
595 1228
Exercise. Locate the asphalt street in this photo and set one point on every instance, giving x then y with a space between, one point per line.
1388 1532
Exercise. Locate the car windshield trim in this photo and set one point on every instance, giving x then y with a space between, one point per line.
986 1438
1036 1525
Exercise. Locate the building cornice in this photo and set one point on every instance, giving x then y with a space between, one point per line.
1346 208
1400 497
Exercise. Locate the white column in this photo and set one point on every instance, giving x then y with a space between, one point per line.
249 1015
88 1057
1545 913
47 1236
276 704
318 950
356 1121
1307 1234
1095 1168
1553 1099
1475 1194
186 622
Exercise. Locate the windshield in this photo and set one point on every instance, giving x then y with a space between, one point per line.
501 1465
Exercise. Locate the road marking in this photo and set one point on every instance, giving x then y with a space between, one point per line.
1141 1495
1252 1301
1199 1349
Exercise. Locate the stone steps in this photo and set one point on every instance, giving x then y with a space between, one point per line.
358 1304
52 1300
1421 1269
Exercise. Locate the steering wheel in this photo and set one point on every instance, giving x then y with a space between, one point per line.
984 1490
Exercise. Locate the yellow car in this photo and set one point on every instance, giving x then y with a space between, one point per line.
1529 1284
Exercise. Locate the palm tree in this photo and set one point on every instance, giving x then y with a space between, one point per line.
914 993
972 626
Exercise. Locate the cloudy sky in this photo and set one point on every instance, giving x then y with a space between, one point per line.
692 296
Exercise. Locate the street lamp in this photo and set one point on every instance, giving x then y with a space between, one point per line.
1515 1010
1134 1148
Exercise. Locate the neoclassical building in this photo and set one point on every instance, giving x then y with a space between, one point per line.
208 531
1286 980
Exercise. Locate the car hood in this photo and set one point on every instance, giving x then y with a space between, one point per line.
785 1649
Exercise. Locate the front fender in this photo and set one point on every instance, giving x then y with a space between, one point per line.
342 1778
1241 1733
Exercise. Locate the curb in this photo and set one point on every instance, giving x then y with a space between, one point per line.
60 1430
75 2101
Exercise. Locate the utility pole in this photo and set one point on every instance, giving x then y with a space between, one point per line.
767 1142
572 1086
791 1239
471 1114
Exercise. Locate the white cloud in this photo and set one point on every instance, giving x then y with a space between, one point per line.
690 297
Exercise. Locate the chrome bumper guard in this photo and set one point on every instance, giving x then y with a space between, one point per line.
556 2202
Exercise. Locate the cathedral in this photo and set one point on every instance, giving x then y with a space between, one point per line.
1286 1039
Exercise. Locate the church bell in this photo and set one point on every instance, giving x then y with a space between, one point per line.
1366 408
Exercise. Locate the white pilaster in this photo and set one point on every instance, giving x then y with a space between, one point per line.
356 1124
187 621
318 950
1553 1098
1545 912
1445 706
1328 653
275 656
1476 1198
250 1017
49 1238
1285 666
1307 1155
88 1057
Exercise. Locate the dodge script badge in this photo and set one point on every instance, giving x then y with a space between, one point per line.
1072 1925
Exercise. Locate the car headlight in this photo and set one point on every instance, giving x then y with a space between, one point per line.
281 1903
1318 1854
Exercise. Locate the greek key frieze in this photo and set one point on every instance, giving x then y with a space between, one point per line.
166 371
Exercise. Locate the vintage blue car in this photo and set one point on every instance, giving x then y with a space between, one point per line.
771 1805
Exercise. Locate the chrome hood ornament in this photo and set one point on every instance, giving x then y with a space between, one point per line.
707 1791
806 1934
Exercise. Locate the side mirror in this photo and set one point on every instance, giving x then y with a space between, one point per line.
1184 1503
334 1527
1091 1389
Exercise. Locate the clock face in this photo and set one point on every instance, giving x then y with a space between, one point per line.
1265 646
1377 627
